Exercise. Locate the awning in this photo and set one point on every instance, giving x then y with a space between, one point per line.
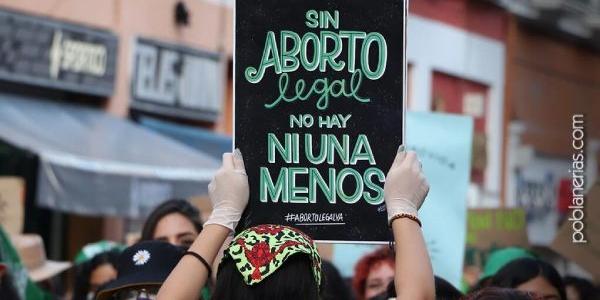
207 141
96 164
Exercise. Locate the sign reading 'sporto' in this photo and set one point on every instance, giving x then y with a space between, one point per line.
319 112
57 55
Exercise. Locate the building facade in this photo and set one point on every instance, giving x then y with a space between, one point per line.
459 69
165 59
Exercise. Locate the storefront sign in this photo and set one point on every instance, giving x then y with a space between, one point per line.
177 81
319 98
57 55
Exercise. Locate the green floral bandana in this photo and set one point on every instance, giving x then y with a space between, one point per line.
259 251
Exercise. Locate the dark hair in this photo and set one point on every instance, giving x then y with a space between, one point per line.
585 288
445 291
85 269
334 286
522 270
294 280
495 293
180 206
391 290
482 283
7 288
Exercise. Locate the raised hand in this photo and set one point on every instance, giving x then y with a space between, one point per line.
229 191
405 186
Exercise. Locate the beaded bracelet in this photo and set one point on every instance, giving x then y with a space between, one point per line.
405 215
201 259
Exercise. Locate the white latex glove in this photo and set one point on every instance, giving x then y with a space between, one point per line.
405 186
229 191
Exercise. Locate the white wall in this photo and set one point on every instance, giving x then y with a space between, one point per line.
436 46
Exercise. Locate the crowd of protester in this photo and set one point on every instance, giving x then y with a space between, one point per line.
177 254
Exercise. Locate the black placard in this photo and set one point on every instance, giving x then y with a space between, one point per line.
334 104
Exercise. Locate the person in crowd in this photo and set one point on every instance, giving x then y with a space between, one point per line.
495 293
260 251
47 274
498 259
334 285
141 270
14 280
95 265
250 270
175 221
373 272
531 275
580 289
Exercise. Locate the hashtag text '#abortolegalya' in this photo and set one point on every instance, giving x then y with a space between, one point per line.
577 215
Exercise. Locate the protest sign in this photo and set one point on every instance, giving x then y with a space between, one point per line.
443 144
489 229
501 227
319 101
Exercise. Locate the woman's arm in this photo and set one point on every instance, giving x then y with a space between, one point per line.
189 276
405 190
414 275
229 194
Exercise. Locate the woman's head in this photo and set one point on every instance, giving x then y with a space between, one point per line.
175 221
373 273
531 275
293 280
94 273
269 262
